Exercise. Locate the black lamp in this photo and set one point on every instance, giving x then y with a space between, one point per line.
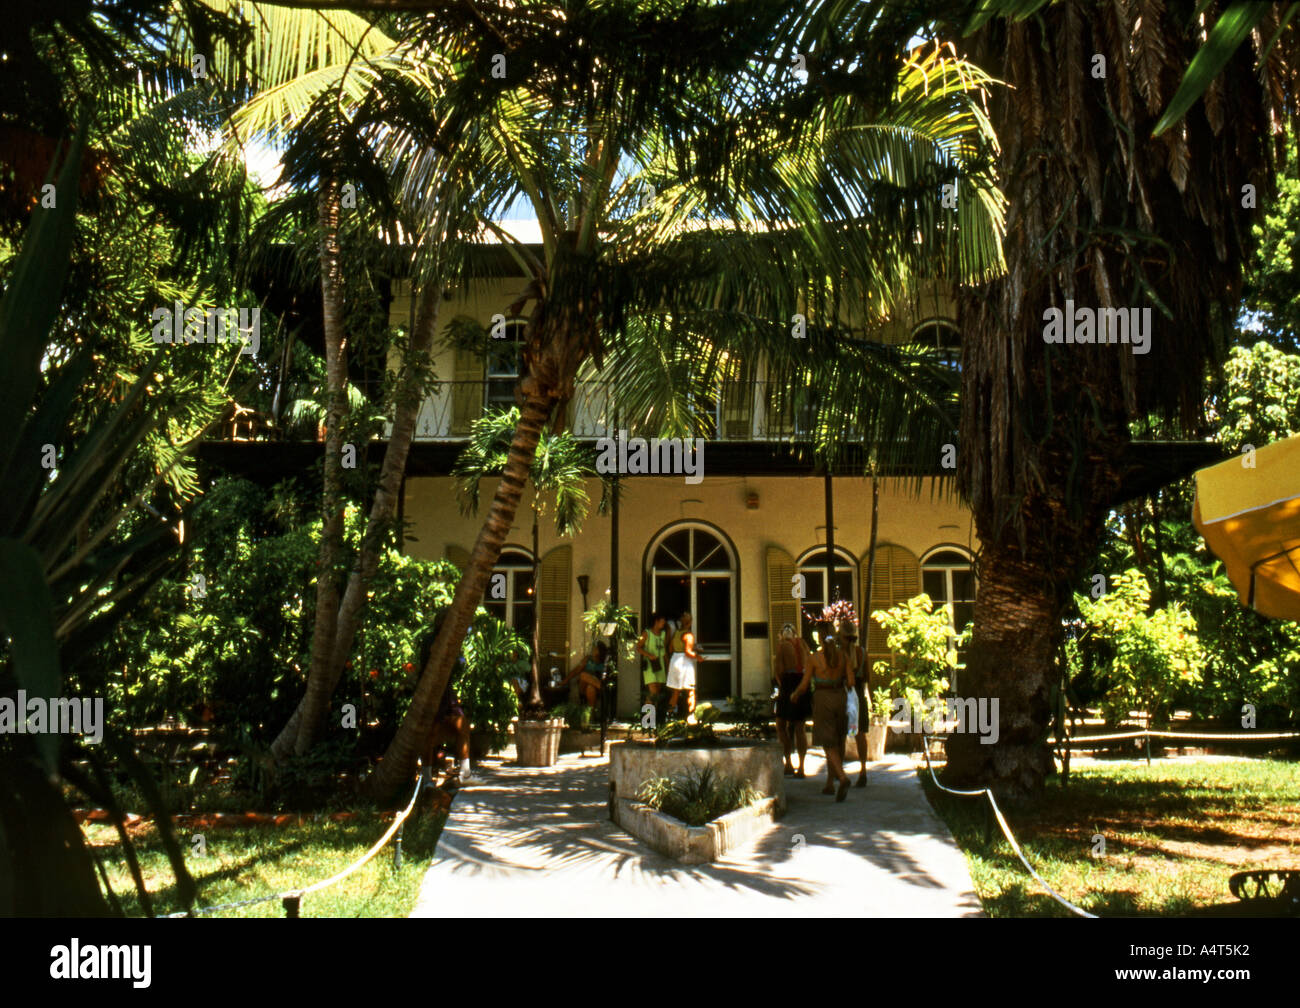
584 582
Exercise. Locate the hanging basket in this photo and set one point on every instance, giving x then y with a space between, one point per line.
607 629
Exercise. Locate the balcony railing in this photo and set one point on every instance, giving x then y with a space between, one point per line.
744 411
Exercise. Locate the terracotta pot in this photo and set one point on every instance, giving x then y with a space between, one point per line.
537 743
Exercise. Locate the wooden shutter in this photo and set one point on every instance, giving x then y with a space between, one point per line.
554 581
466 391
898 578
782 608
458 555
738 403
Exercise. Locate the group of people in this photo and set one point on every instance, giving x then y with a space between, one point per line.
670 661
816 684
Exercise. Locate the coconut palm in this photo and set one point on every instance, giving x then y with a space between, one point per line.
560 470
699 204
1105 214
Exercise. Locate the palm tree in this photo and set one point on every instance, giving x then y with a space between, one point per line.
560 469
700 199
310 73
1107 215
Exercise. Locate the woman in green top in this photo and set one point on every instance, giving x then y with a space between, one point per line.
651 647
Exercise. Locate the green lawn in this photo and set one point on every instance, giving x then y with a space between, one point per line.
1174 832
243 862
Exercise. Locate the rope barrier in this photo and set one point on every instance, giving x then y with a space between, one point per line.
1216 737
291 898
1006 831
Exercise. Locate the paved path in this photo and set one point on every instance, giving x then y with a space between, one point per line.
529 842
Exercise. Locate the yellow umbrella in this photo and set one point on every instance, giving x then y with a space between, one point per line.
1249 515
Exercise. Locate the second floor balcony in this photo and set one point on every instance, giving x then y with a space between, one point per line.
742 411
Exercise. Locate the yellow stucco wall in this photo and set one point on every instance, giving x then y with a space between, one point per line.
790 514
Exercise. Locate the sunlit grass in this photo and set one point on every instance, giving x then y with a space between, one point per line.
1174 832
243 862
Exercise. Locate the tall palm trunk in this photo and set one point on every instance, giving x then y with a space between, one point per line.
533 701
1102 216
331 545
293 737
398 764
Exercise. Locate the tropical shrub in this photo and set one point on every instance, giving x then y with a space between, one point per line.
924 646
493 654
697 797
1152 656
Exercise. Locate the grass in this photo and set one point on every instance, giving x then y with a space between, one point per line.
243 862
1174 832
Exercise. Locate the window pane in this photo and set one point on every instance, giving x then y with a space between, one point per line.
963 585
934 584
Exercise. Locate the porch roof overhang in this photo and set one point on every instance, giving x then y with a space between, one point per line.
1146 465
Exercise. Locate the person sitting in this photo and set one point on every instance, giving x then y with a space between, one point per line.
590 673
451 727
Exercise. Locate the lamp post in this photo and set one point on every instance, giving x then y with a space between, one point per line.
584 581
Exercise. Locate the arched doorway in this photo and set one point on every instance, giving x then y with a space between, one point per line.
690 567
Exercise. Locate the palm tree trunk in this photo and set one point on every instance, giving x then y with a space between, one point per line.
336 369
533 702
378 524
398 764
869 587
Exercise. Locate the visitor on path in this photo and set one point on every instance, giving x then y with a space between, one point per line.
681 667
856 657
828 671
788 666
590 673
653 647
450 723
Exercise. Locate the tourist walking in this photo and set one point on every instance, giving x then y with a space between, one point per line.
856 657
681 667
789 662
828 674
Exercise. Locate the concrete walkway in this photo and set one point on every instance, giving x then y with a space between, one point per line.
533 843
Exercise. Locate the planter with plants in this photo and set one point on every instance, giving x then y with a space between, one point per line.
492 656
577 735
925 657
696 816
680 748
878 713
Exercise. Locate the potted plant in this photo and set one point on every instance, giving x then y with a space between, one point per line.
925 652
492 653
879 708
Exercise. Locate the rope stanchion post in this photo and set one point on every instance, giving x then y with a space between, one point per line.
292 903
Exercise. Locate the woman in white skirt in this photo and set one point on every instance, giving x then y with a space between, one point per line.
681 667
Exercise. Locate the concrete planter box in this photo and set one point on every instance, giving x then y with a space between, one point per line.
759 763
695 844
537 743
577 740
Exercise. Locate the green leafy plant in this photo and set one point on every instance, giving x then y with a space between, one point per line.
605 612
697 797
679 730
576 715
752 716
492 652
924 646
1151 655
880 706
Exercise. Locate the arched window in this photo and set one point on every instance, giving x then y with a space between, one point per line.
812 565
510 597
940 337
949 579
